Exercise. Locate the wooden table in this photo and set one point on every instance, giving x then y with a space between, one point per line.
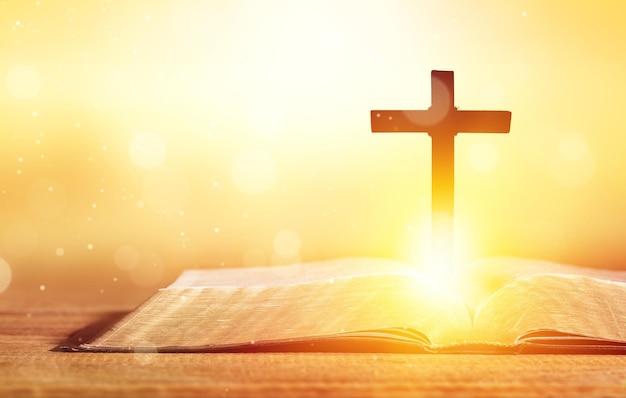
33 322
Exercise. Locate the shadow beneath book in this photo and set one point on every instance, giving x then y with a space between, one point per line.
90 332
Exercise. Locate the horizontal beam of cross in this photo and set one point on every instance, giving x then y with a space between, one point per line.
453 121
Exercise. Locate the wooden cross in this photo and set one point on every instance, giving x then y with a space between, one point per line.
442 121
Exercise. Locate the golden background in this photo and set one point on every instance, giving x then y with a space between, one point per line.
140 138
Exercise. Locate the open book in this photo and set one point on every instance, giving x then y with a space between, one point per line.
364 304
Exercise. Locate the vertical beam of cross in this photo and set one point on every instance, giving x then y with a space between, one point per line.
442 121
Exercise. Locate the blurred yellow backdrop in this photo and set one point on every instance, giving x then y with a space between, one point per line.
139 138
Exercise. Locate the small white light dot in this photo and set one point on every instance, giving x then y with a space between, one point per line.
216 229
140 204
115 279
524 13
93 205
182 234
20 159
181 213
42 287
90 247
18 23
50 188
19 171
35 113
77 124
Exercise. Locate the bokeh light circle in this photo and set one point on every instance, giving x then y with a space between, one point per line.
126 257
483 156
147 151
24 82
253 171
287 243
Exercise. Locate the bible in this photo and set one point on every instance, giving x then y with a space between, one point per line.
497 305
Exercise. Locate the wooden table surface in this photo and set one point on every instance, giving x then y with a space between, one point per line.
32 323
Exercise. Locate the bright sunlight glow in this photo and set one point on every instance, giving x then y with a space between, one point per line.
435 264
151 136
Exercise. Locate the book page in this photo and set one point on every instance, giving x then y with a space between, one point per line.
555 304
217 308
294 273
477 281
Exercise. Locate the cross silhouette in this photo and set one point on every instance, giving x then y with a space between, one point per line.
442 121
